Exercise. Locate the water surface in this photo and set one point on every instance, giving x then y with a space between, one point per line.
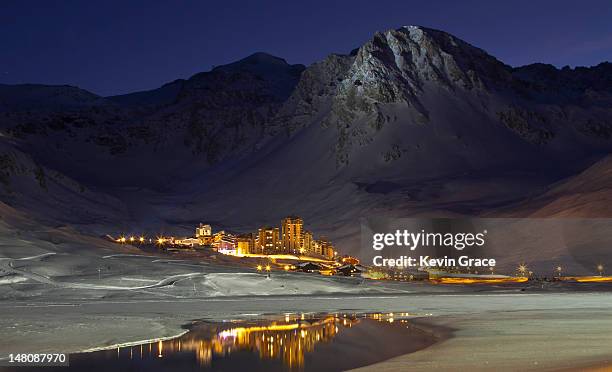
321 342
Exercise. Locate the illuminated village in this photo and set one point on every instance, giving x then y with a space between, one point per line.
290 247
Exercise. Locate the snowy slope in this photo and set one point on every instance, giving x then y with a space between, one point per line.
588 195
52 198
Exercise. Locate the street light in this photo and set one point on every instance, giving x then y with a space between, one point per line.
558 269
600 269
268 268
259 267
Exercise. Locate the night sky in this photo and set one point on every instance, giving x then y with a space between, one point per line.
112 47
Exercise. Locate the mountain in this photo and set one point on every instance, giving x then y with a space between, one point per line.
410 117
46 97
582 84
166 94
211 116
414 122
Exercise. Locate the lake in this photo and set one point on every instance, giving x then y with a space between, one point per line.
302 342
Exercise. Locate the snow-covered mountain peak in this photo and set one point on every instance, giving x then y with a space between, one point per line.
414 55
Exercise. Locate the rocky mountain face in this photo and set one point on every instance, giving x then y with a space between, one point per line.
414 120
581 84
204 119
395 67
226 111
409 95
393 70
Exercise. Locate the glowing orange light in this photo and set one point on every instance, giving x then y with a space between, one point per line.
446 280
588 279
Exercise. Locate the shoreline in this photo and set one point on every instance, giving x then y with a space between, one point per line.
400 335
128 344
418 323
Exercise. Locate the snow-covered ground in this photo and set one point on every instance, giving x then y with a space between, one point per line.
63 291
515 331
553 332
53 299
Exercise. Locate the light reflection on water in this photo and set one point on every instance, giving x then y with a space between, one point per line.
287 340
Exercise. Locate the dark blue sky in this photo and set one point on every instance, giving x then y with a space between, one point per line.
111 47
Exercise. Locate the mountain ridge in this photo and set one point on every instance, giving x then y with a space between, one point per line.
414 120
